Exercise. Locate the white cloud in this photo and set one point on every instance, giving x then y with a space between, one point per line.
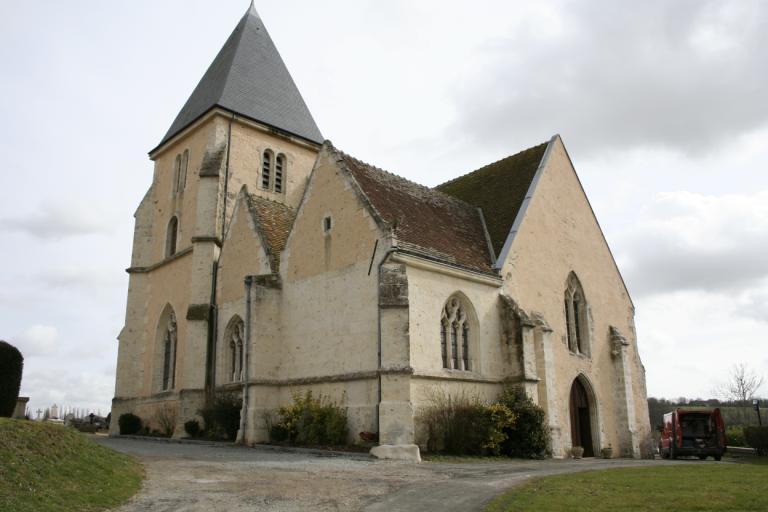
37 340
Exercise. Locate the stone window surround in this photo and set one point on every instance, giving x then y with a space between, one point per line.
167 343
234 339
172 237
272 164
456 331
577 318
180 168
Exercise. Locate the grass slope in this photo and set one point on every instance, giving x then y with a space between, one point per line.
55 468
672 488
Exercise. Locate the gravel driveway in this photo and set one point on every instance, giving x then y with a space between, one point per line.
212 478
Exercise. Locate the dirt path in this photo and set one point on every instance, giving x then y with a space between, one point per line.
212 478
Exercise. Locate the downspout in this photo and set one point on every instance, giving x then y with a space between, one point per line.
213 317
246 373
378 330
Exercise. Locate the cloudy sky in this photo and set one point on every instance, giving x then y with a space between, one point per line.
663 106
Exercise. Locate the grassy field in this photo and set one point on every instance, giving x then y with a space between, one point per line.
702 486
46 467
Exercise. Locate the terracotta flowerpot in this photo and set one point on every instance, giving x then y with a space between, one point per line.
607 452
577 452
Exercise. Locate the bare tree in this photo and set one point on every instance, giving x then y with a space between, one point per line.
743 383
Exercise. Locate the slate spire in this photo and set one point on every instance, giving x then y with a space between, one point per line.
248 77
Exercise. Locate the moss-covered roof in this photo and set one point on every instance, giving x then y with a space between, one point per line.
499 190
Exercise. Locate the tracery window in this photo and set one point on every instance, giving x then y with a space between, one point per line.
576 316
455 331
169 341
234 337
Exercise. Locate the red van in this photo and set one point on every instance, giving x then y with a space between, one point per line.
692 432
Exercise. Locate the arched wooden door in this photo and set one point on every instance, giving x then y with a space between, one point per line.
581 418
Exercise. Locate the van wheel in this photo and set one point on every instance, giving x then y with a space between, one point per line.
718 457
702 457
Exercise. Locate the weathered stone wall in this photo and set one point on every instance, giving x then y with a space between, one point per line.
559 234
326 337
184 280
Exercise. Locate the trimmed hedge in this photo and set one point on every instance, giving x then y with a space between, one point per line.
757 438
11 367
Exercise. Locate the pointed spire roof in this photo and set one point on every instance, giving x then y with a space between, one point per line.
249 78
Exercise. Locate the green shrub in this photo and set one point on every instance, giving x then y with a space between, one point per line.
11 366
129 423
734 436
529 436
311 421
222 415
757 438
464 424
192 428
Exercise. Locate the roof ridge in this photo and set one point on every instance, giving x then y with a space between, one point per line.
492 163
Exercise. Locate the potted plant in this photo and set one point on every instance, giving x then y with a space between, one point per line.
577 452
607 452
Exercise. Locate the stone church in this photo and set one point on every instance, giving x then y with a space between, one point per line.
267 261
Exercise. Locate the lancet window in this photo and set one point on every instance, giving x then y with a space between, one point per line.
576 317
169 341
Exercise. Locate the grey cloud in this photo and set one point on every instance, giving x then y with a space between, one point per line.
56 221
687 241
686 75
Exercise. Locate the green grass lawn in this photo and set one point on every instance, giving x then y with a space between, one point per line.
46 467
702 486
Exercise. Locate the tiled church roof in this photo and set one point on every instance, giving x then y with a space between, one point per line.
275 221
425 221
248 77
499 190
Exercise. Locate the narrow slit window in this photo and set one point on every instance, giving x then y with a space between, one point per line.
173 233
454 347
444 344
266 170
327 224
279 166
465 346
183 172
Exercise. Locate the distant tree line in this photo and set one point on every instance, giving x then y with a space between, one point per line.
734 412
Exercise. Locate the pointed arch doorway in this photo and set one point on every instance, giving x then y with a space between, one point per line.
581 408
